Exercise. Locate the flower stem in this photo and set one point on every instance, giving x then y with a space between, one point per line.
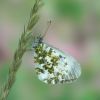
24 42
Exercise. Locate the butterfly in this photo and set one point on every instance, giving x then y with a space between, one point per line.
52 65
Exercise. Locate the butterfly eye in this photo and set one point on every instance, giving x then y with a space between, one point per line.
53 66
40 40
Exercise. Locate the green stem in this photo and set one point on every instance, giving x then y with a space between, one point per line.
24 42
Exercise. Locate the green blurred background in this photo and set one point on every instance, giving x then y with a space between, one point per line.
75 29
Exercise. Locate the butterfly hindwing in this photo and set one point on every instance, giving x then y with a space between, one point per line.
53 66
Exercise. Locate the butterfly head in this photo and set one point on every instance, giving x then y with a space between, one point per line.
37 40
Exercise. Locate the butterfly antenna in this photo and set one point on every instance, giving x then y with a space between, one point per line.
48 26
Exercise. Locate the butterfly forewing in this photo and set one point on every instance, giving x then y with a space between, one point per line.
53 66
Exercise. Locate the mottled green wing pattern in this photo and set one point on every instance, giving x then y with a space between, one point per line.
53 66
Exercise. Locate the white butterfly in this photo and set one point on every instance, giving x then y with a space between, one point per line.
52 65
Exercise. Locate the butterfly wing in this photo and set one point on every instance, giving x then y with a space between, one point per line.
53 66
